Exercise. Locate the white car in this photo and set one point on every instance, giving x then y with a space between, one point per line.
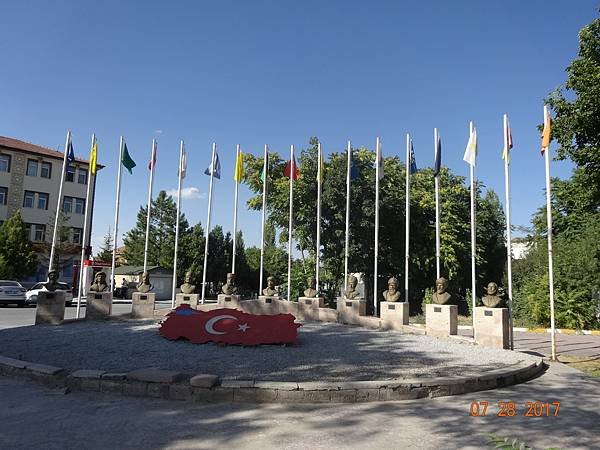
32 294
12 292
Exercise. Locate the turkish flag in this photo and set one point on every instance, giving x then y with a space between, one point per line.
229 326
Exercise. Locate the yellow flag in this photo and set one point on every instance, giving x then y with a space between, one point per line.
321 168
239 167
546 132
93 158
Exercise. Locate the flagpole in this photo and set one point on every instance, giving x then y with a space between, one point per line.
235 210
264 208
549 221
407 218
318 250
58 208
210 187
437 207
508 235
181 150
289 274
149 210
347 244
473 231
116 227
85 228
375 272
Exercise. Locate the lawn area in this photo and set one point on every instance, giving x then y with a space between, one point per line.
591 366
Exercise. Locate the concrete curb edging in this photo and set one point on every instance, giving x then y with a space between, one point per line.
165 384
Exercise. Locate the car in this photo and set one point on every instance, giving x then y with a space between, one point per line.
32 294
12 292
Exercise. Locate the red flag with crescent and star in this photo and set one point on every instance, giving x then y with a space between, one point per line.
229 326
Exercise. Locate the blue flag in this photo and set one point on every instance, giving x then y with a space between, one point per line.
438 158
70 154
353 167
413 162
215 168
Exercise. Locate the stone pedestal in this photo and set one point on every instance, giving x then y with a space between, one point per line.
441 320
232 301
98 305
491 327
188 299
308 307
265 304
50 308
350 310
394 315
142 305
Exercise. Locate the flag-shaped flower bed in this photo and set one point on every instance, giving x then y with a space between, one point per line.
229 326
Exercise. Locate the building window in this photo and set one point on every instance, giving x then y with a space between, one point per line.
29 199
68 204
32 168
74 205
70 175
40 233
3 195
77 234
4 163
28 230
68 271
42 202
82 176
46 170
79 206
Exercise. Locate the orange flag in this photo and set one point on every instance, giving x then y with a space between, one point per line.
546 132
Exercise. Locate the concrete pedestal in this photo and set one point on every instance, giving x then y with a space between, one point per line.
350 310
188 299
98 305
232 301
50 308
394 315
142 305
441 320
491 327
308 307
265 304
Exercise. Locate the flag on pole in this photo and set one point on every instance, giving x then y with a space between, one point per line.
93 158
438 157
509 143
70 154
471 150
353 167
380 164
321 168
413 161
182 162
546 132
126 160
214 167
287 170
152 162
262 171
238 175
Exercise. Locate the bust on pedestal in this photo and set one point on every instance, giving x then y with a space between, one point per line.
394 313
491 322
441 319
187 294
229 297
309 304
351 305
99 299
142 302
50 307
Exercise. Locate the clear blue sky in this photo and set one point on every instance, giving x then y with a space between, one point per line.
278 72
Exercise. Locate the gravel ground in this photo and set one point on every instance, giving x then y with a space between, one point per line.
326 352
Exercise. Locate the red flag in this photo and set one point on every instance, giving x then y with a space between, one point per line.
152 162
229 326
296 172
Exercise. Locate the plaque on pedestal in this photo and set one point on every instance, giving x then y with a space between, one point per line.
350 310
266 304
232 301
308 307
50 308
98 305
394 315
142 305
491 327
188 299
441 320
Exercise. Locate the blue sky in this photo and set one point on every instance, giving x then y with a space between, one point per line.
278 72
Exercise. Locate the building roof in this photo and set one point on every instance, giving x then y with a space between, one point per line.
23 146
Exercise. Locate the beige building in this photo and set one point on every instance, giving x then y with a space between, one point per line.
29 181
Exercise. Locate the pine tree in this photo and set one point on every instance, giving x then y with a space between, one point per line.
105 253
17 256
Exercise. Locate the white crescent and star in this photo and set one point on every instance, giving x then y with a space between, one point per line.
210 324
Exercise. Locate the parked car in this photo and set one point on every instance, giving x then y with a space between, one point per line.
12 292
32 294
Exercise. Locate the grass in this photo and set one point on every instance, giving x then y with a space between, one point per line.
591 366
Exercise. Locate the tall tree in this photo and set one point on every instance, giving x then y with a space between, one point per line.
17 256
106 250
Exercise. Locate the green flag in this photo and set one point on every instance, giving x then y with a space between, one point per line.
127 161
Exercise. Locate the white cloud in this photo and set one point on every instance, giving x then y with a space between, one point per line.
187 193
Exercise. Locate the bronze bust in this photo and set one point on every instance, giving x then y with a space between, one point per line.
493 299
351 293
229 287
145 286
52 283
99 284
187 287
440 296
392 294
311 292
270 290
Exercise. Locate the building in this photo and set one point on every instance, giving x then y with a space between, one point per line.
29 181
160 278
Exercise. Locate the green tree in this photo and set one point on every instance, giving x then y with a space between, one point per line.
17 256
63 245
106 250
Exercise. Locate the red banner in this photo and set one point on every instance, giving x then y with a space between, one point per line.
229 326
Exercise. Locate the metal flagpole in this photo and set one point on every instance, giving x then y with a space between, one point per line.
377 174
347 245
318 249
58 203
549 221
508 236
235 210
149 210
85 228
473 231
116 227
437 207
181 151
407 220
289 274
264 209
210 186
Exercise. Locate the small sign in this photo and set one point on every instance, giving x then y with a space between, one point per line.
391 306
308 302
227 299
349 304
488 313
437 309
143 297
186 298
97 296
268 300
50 295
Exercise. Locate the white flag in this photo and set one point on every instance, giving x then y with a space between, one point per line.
471 150
183 164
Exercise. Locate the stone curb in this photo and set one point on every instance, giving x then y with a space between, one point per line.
166 384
